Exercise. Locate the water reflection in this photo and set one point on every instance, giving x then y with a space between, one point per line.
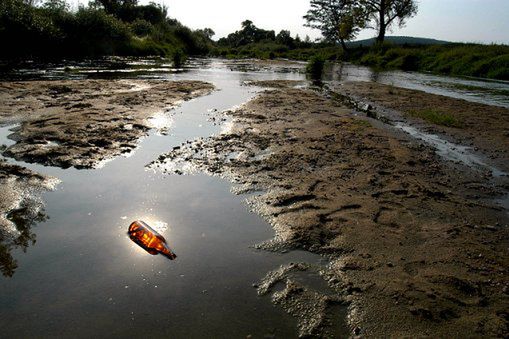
24 219
485 91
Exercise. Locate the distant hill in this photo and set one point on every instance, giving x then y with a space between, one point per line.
399 40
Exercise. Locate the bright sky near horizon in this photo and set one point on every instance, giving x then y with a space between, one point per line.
453 20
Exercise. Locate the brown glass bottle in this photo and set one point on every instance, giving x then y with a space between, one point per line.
151 241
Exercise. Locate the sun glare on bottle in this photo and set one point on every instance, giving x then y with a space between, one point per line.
149 239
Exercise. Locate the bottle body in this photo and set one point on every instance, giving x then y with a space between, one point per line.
149 239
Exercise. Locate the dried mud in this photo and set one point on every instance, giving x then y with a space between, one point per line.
417 247
83 123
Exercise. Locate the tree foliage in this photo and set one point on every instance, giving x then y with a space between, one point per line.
248 34
106 27
338 20
383 14
341 20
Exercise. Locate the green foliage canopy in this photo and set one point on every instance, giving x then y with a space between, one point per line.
338 20
106 27
382 14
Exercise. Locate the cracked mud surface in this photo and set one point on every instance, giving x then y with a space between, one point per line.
82 123
417 248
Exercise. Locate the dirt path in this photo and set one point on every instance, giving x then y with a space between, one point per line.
81 123
416 247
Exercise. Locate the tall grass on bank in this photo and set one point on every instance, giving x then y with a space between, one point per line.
485 61
475 60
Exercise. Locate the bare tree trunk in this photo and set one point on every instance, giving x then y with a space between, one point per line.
382 25
343 44
381 35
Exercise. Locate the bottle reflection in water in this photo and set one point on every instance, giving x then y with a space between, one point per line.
151 241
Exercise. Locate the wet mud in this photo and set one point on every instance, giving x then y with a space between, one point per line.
417 245
482 127
83 123
275 83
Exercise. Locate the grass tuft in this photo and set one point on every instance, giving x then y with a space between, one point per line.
436 117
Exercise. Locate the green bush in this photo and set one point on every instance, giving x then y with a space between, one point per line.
316 66
141 27
179 58
26 31
97 33
54 31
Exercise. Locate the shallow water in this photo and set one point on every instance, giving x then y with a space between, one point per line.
484 91
85 277
451 151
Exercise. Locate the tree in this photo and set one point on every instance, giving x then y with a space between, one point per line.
113 6
32 3
56 5
207 32
247 35
338 20
384 13
285 38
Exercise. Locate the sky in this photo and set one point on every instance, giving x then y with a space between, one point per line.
483 21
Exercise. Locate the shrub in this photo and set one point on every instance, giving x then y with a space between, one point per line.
141 27
26 31
97 33
179 58
315 66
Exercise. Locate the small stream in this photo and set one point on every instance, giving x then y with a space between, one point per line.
84 277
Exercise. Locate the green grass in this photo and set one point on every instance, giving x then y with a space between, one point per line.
484 61
471 60
436 117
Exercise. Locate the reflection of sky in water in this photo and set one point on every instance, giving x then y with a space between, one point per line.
161 122
85 276
490 92
92 279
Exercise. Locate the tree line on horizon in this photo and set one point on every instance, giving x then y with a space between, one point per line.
48 29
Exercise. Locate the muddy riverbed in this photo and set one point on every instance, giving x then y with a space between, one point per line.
351 227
